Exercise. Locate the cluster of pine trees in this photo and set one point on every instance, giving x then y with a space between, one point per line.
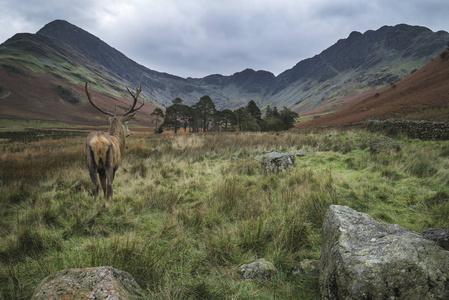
203 116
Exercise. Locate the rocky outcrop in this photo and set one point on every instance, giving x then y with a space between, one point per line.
384 144
275 162
89 283
259 269
365 259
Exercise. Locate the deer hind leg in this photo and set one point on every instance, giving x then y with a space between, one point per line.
92 167
102 175
110 174
94 178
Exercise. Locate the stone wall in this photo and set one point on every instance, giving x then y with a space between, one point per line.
425 130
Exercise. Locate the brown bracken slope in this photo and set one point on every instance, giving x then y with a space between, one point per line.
33 96
423 95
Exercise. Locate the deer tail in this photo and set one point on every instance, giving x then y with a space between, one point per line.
99 147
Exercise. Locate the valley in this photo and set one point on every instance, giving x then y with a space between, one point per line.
34 68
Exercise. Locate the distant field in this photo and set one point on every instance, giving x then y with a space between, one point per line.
20 125
189 209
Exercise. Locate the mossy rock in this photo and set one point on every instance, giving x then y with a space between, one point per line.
261 269
88 283
276 162
362 258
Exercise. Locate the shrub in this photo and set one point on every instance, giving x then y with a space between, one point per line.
68 94
13 69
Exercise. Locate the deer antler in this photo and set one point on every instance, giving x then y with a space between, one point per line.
135 96
94 105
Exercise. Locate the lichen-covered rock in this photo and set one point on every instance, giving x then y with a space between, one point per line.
384 144
89 283
365 259
259 269
307 266
275 162
439 235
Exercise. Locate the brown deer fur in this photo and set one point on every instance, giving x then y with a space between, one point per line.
103 152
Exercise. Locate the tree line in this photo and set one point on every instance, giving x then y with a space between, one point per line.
203 116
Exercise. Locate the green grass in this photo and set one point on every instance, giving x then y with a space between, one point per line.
14 125
31 59
189 209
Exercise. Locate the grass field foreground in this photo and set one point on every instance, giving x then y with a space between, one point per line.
189 209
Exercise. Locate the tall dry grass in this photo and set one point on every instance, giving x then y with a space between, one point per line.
189 209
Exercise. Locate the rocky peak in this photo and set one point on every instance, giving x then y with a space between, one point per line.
365 50
249 77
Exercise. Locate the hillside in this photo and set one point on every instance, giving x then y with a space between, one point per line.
360 63
42 75
44 80
422 95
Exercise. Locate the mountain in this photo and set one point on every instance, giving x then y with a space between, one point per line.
239 88
362 62
33 66
338 76
424 95
42 75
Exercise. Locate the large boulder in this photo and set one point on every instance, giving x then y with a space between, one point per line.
89 283
365 259
276 162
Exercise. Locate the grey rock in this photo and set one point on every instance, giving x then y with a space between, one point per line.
259 269
439 235
365 259
384 144
307 266
276 162
301 153
88 283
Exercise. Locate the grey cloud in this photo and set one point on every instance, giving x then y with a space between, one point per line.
201 37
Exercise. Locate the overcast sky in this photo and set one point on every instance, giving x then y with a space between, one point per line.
195 38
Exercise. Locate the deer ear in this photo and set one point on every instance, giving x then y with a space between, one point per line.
128 117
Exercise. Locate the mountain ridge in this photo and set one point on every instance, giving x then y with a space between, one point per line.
356 54
359 63
94 48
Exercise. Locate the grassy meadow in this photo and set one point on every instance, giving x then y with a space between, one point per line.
189 209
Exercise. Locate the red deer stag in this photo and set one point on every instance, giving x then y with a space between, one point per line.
103 150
